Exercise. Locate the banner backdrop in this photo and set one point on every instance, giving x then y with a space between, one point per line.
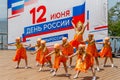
51 19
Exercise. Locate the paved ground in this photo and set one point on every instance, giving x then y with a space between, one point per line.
8 72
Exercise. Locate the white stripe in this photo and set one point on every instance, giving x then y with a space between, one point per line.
18 3
76 2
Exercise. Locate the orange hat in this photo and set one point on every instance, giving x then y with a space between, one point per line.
57 46
91 34
64 38
82 46
80 24
39 39
43 41
107 38
18 38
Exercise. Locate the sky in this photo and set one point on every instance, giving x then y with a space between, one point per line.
3 7
111 3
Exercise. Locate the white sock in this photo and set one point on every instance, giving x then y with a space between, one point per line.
94 78
54 73
112 65
40 69
67 74
98 69
76 76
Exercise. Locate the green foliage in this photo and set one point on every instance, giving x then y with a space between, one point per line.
114 20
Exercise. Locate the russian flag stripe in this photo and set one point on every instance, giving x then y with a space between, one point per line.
78 10
17 11
12 3
28 2
17 7
79 13
21 2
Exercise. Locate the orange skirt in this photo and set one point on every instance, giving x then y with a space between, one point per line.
38 56
106 52
58 60
85 65
78 39
92 50
42 59
75 43
20 54
67 50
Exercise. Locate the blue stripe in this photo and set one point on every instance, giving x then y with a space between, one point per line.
45 27
78 10
27 0
100 40
10 2
55 38
88 15
18 7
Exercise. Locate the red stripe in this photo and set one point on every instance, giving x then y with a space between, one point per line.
17 11
52 31
30 2
79 18
87 26
100 27
13 16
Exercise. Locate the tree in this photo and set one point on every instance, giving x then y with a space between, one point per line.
114 20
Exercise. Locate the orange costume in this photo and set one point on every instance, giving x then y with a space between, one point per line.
106 51
91 49
58 59
67 49
38 53
84 65
20 52
43 53
78 39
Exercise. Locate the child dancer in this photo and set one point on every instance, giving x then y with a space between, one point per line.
106 51
59 58
43 51
92 50
84 61
38 44
20 52
78 37
67 49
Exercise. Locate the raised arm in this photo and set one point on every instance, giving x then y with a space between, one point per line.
99 42
45 49
10 45
92 41
83 57
50 53
32 46
26 45
65 44
74 25
74 54
83 29
109 43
